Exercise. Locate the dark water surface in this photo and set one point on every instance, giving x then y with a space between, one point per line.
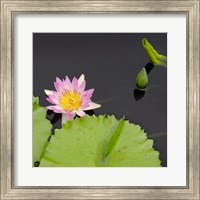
110 62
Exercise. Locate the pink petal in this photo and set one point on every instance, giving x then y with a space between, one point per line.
56 94
58 86
58 80
81 87
47 92
67 116
53 99
92 106
67 83
81 79
56 109
80 113
85 102
49 100
74 84
88 93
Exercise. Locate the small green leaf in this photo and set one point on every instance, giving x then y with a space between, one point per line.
142 79
41 130
101 141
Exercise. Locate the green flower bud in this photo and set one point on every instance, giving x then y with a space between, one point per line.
142 79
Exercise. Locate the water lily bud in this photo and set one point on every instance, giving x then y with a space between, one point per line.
142 79
147 46
154 56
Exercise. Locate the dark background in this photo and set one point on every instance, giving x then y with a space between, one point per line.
110 62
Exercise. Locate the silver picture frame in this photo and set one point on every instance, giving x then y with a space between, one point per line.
8 11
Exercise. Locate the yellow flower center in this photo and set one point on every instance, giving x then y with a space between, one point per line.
71 101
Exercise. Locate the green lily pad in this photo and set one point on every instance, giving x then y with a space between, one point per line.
101 141
35 100
41 130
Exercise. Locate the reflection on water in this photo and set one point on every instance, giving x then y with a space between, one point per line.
149 66
112 98
90 112
155 135
138 94
55 119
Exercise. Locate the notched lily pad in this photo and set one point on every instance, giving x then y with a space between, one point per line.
101 141
41 130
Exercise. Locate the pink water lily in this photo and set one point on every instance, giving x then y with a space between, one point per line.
70 98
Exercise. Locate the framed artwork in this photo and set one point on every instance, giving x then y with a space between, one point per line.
99 99
122 98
